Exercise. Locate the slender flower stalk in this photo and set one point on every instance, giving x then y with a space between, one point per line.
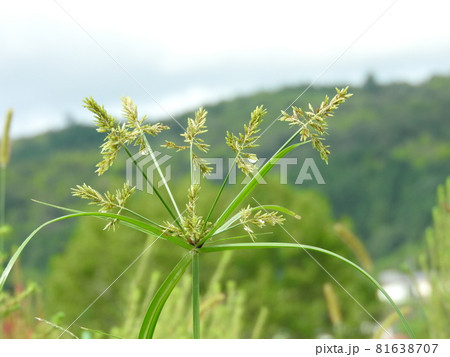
5 153
163 178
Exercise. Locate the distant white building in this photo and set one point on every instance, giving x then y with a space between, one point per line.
403 287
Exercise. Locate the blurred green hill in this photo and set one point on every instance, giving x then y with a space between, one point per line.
390 149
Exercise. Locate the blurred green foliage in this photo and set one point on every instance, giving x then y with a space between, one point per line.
390 151
288 283
221 309
437 266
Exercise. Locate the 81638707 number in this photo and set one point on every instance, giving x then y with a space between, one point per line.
406 348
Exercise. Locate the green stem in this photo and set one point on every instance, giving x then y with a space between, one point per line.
144 174
191 156
196 295
161 175
141 217
2 204
219 194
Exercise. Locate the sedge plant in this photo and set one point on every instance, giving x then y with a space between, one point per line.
16 303
5 153
436 264
197 233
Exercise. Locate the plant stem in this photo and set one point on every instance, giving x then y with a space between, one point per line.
196 294
2 204
191 158
175 218
219 194
5 152
161 175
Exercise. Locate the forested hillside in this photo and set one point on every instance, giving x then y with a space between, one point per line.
390 149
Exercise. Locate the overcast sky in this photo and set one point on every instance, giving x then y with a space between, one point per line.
170 56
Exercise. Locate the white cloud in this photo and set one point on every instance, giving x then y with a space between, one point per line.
186 52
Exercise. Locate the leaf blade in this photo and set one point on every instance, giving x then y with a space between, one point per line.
133 223
147 227
268 245
161 296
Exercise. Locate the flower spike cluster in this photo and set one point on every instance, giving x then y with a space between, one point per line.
136 126
245 160
119 135
107 202
189 226
191 222
195 127
313 124
259 219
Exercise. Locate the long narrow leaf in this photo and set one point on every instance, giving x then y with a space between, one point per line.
156 225
147 227
100 332
57 327
16 255
237 246
161 296
133 223
239 237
